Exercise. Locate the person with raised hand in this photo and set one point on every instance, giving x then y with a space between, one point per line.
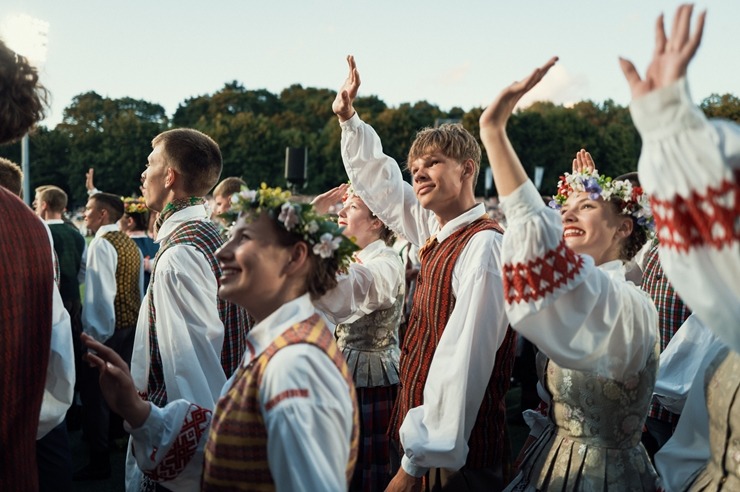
449 420
690 166
565 291
287 418
366 305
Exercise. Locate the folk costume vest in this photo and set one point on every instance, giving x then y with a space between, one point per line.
203 236
236 451
25 338
128 297
433 303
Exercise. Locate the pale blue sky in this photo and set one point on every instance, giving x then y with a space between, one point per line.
449 53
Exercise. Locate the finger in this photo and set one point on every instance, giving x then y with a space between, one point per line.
102 351
660 40
693 44
575 167
94 361
630 73
539 73
680 31
355 79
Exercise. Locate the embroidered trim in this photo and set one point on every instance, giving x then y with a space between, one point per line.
541 276
291 393
196 423
711 219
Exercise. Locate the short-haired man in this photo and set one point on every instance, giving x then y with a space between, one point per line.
11 176
113 292
222 199
458 352
49 204
188 340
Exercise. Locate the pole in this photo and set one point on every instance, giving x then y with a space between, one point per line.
26 171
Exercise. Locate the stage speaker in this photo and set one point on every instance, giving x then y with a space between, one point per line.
296 166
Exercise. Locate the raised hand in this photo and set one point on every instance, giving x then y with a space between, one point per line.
671 56
342 105
89 175
497 113
508 172
116 383
323 202
583 162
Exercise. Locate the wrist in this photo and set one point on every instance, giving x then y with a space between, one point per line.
137 414
346 115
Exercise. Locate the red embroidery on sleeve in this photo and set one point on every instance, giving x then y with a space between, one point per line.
291 393
196 422
541 276
711 219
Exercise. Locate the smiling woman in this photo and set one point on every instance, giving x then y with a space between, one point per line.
287 418
565 290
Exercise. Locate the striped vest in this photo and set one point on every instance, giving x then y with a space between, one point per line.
433 303
203 236
236 451
128 297
27 277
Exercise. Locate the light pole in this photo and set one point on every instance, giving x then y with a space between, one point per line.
26 36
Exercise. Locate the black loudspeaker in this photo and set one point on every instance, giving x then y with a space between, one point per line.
296 166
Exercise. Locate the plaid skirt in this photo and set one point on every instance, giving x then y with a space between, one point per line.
373 470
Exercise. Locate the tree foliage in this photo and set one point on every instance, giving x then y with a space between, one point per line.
253 128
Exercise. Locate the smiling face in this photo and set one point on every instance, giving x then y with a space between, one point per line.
594 227
359 222
254 267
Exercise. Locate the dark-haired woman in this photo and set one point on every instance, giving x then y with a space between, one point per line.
565 291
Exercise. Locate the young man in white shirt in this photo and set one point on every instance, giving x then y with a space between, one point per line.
457 356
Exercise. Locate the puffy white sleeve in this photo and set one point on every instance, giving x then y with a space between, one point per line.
689 165
190 333
681 360
366 288
98 310
576 314
169 446
60 373
377 179
308 416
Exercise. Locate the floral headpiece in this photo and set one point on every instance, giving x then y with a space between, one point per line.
321 233
630 199
349 193
134 205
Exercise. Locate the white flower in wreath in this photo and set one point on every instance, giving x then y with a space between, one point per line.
312 227
288 216
247 195
327 245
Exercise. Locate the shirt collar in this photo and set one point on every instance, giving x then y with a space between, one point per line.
371 250
266 331
184 215
461 221
615 269
106 229
54 221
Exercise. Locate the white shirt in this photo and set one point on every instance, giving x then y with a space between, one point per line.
371 284
190 333
585 318
435 434
687 157
308 437
98 308
60 373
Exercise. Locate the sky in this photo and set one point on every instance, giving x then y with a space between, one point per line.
450 53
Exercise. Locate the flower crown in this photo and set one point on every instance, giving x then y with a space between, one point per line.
324 235
134 205
631 199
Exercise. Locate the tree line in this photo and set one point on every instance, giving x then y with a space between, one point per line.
253 128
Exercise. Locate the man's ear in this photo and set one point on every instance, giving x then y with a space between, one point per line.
170 177
468 168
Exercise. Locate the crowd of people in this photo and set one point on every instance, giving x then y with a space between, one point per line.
365 341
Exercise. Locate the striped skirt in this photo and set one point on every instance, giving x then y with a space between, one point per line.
373 470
